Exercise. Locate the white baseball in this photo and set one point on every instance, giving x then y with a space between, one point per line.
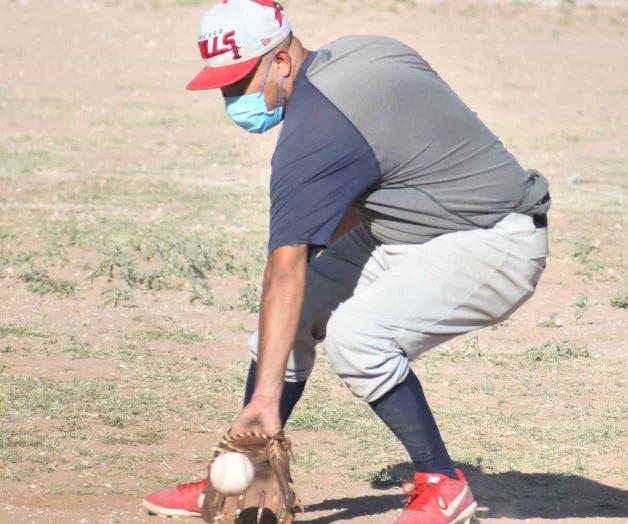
231 473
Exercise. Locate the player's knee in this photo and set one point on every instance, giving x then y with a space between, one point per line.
368 364
341 343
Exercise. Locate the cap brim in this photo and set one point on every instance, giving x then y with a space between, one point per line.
215 77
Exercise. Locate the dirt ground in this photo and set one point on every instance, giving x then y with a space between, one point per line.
133 223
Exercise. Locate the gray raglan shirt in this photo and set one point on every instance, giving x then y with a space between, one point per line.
371 124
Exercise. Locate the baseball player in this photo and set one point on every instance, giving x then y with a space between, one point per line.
398 221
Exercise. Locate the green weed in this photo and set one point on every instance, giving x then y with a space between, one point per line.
77 399
250 298
584 254
581 304
78 349
583 251
9 262
471 347
39 282
190 261
118 264
553 321
181 335
391 476
202 292
552 352
620 301
151 436
117 295
19 331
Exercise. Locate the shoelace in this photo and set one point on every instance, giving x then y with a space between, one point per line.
421 493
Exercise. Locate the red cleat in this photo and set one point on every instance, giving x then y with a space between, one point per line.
182 500
437 499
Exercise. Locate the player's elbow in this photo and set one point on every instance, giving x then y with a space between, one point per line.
286 264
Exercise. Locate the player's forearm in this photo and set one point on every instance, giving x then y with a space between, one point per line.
282 298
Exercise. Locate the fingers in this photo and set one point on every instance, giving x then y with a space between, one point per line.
213 506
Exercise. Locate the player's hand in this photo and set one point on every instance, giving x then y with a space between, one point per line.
258 416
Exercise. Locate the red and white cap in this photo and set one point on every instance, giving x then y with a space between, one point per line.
233 37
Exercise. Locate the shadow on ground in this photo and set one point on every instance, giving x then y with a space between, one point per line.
511 494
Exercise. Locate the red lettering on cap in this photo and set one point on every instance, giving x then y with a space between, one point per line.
273 5
229 43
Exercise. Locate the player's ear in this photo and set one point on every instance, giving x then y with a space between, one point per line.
283 62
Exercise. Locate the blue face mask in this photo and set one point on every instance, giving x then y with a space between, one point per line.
250 111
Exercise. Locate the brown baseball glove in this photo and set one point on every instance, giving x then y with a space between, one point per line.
271 498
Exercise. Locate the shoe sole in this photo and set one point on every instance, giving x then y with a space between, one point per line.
467 515
167 512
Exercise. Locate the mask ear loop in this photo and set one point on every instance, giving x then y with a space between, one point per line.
282 89
266 76
281 100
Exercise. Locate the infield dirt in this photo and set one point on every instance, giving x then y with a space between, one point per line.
133 221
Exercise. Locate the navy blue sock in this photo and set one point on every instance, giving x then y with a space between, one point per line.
407 414
291 394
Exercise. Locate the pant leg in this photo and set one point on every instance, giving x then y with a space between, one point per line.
431 293
337 274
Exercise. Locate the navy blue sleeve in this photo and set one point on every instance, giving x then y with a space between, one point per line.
321 165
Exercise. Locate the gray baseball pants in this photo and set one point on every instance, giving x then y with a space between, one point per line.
377 307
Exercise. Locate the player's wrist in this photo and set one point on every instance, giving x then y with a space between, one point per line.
259 415
266 399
